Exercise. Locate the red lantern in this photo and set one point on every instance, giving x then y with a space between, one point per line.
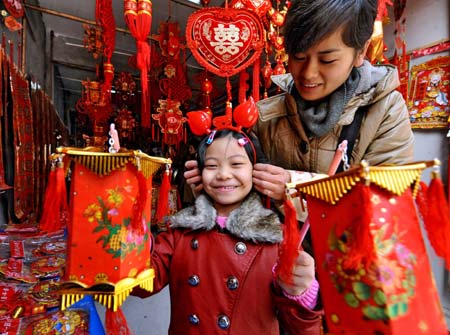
109 233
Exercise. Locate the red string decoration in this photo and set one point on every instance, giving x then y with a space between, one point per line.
138 17
105 18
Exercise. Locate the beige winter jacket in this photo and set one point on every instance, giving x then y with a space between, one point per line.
385 135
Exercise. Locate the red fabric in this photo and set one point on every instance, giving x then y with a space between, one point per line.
116 323
289 248
55 208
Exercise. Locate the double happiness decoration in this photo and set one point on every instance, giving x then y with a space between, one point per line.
225 41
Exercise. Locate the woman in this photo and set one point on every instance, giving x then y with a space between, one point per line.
330 84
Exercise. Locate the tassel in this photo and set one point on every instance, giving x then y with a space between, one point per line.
437 219
55 210
361 250
163 199
421 200
137 225
289 250
116 323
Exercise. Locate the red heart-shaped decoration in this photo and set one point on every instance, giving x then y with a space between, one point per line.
224 40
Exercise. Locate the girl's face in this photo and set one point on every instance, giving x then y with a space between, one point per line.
227 175
324 67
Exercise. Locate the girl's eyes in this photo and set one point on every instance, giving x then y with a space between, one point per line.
210 166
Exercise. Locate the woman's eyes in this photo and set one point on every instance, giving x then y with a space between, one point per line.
323 61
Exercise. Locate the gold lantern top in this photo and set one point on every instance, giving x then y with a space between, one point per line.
103 163
393 178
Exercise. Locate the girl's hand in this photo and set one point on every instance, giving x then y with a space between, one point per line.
270 180
193 176
303 274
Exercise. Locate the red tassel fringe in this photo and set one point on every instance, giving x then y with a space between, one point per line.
361 250
289 250
55 211
163 199
116 323
436 216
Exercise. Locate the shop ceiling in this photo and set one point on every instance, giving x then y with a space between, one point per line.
73 63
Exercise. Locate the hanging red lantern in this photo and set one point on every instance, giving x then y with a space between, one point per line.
138 17
279 67
266 73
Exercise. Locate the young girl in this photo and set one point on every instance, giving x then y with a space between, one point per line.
218 256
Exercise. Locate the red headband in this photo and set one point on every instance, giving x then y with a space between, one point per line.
244 115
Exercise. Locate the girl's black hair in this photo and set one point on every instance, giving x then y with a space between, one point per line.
310 21
249 149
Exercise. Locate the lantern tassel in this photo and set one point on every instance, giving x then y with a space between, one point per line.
361 250
289 249
55 209
163 203
436 217
116 323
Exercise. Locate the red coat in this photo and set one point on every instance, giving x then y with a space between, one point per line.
220 281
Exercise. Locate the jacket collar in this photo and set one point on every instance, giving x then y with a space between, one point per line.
251 221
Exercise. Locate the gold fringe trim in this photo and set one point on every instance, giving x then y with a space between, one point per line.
395 179
110 299
103 163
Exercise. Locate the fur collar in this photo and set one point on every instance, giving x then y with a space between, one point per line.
251 221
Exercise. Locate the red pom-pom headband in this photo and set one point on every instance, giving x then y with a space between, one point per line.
244 115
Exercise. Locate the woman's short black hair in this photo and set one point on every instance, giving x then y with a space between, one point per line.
249 149
310 21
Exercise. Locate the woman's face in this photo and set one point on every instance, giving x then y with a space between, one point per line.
324 67
227 175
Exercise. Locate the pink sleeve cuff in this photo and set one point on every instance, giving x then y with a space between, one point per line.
308 298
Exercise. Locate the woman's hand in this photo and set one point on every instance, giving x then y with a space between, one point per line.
303 274
193 176
270 180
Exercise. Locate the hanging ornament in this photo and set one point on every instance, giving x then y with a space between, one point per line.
279 67
224 40
170 119
207 88
93 40
105 18
138 17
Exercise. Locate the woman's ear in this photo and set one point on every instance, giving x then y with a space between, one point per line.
361 54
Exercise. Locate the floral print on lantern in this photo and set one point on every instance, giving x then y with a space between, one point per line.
118 241
383 290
